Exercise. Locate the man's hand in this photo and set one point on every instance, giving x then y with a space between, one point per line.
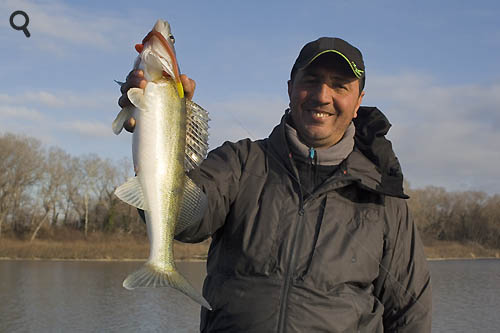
135 79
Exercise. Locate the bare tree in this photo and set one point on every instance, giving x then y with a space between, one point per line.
430 208
492 217
21 159
90 168
72 179
113 174
98 179
51 186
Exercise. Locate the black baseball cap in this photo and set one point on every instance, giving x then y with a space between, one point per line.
314 49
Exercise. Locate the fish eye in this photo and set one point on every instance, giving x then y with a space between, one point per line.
172 39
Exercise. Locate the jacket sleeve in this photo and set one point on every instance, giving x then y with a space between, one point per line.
404 285
218 176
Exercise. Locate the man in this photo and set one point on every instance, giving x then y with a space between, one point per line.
310 230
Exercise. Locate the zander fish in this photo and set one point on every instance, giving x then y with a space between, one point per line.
170 138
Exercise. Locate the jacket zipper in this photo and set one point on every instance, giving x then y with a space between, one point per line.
291 261
289 272
314 166
292 257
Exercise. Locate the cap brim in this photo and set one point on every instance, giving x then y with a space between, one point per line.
359 73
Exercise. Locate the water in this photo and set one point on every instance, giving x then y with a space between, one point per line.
466 295
65 296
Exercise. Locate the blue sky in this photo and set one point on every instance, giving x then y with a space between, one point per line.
432 68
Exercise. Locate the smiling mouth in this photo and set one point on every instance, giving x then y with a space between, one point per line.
320 114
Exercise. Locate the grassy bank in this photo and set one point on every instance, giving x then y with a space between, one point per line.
123 246
451 250
96 246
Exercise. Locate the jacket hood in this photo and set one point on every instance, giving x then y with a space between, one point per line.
373 162
371 127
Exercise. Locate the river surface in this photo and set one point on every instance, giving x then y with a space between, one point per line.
80 296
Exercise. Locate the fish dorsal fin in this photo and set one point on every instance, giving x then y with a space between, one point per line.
196 135
136 97
121 118
194 204
131 193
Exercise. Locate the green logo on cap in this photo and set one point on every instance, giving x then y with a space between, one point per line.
357 72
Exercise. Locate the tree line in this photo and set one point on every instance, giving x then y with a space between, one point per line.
49 188
466 216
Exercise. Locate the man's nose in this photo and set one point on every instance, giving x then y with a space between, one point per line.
323 94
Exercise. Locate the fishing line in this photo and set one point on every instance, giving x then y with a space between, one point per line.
353 237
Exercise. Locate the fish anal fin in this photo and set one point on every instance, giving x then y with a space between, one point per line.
131 193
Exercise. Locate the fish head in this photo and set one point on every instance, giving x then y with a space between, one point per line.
158 58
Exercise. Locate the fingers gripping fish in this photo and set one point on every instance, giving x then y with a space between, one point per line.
170 138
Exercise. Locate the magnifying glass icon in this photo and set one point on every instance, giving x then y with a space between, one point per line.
23 27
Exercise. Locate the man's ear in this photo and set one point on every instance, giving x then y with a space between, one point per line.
289 88
358 104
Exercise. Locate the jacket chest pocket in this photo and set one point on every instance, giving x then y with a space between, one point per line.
348 244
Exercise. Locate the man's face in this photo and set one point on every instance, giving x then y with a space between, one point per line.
324 98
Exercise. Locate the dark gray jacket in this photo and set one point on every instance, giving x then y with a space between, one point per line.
348 258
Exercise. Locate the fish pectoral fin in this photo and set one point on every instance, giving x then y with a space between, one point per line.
121 118
136 97
193 206
131 193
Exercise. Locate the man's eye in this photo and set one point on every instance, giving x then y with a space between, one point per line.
340 86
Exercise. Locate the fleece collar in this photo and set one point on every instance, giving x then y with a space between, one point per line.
333 155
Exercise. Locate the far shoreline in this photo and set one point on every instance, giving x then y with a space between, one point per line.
94 260
194 260
129 248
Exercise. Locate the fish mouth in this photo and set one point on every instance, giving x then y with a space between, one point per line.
170 66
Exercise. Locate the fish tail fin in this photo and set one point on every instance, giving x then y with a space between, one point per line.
149 276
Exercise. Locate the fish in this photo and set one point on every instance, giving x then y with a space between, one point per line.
170 139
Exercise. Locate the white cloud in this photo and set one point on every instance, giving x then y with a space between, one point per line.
87 128
33 97
444 135
60 99
20 113
57 117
